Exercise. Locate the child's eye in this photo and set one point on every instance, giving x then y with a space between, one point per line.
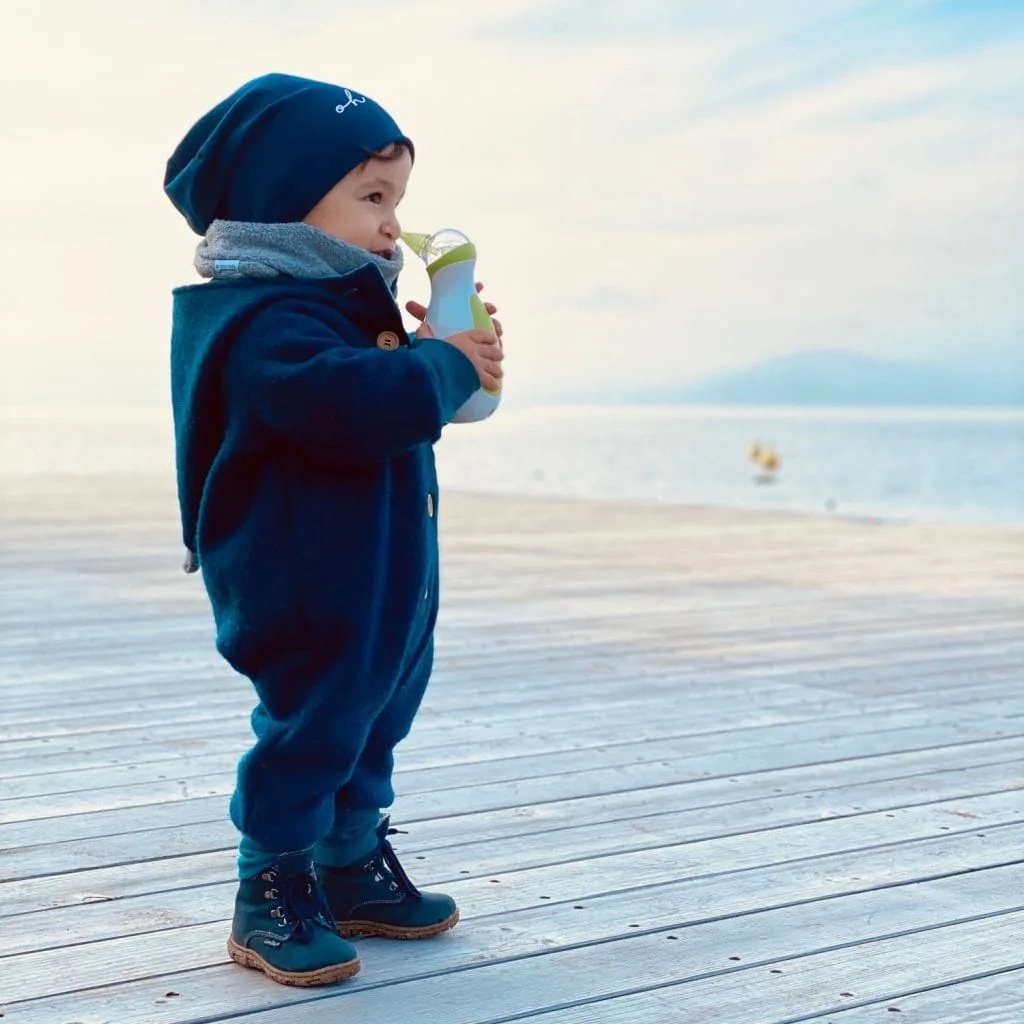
376 197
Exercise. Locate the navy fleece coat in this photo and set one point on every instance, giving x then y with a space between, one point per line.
304 421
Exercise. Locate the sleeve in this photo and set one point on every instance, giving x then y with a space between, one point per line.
345 405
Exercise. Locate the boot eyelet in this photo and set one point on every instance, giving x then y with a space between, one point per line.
271 894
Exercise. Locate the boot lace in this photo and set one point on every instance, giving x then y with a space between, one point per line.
302 906
385 854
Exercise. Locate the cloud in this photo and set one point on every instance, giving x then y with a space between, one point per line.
778 176
612 298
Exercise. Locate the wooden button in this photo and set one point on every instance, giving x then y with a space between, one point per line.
388 341
430 505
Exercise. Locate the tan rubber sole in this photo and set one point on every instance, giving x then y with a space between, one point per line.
352 929
325 976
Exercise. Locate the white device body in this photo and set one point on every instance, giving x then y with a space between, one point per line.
452 287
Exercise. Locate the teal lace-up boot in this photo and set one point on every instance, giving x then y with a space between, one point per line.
374 896
283 927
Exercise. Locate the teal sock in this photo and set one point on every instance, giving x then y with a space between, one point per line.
353 836
253 858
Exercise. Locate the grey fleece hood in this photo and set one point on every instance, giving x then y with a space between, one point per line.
233 249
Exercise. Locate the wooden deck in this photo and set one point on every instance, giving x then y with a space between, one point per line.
676 765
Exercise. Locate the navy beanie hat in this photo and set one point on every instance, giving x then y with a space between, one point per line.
273 149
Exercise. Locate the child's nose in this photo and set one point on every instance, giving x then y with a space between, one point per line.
392 229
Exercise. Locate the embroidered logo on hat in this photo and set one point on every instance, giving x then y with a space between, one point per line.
351 100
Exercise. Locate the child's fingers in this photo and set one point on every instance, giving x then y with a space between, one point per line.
489 338
416 309
488 365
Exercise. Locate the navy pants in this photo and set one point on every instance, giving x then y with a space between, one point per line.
324 749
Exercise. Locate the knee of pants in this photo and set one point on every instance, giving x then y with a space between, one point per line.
396 718
279 811
333 711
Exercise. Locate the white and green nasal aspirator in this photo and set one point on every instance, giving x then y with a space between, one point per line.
454 304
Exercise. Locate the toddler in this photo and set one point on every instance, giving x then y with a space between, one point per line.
305 418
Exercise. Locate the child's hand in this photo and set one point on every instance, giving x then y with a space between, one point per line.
419 311
482 348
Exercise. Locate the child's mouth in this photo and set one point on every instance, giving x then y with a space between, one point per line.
388 254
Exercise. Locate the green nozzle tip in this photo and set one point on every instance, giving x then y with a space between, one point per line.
418 243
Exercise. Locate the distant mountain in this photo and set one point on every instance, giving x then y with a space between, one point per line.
830 377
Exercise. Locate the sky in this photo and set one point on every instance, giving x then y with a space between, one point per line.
658 190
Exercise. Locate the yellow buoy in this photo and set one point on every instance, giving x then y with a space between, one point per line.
766 457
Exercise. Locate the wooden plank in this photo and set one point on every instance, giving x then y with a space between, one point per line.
433 726
583 728
468 735
94 916
985 999
931 660
97 645
496 875
764 663
505 780
30 845
880 967
714 618
499 973
161 682
558 875
812 719
925 652
650 663
435 729
792 795
566 668
421 752
992 999
78 621
534 755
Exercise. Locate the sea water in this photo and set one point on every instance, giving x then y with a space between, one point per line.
936 465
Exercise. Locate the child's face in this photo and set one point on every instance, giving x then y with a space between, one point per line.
362 208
